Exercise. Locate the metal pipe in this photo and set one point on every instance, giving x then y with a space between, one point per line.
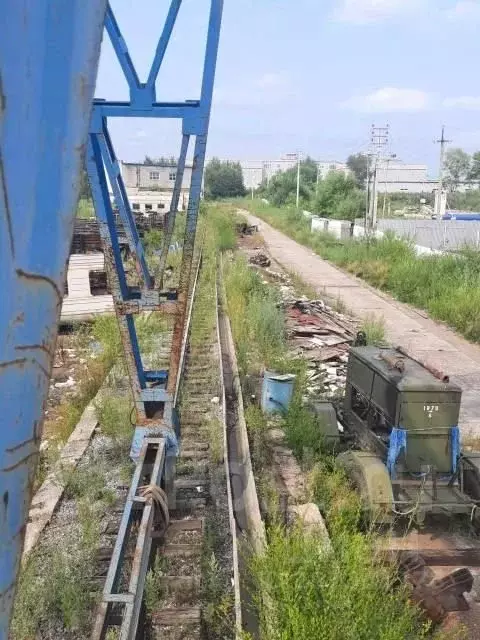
440 375
44 117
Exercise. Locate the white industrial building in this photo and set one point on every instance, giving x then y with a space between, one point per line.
394 176
257 171
150 187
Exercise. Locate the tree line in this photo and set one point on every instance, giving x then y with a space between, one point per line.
337 195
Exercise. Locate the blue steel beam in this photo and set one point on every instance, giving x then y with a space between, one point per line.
121 50
163 44
48 69
114 109
121 199
104 212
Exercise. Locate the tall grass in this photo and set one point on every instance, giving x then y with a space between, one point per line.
258 323
447 286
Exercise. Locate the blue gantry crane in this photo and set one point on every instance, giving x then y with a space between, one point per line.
49 122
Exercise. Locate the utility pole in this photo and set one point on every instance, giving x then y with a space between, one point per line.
367 192
298 181
441 194
378 142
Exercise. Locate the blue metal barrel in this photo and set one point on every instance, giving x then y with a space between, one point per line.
277 390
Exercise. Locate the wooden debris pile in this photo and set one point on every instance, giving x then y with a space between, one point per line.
322 336
260 260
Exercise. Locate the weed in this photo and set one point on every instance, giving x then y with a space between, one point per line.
218 609
257 433
217 600
309 592
54 589
105 332
215 439
85 208
114 415
258 324
87 481
154 589
374 329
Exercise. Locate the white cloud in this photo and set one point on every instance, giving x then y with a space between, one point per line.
388 99
368 11
465 10
462 102
140 133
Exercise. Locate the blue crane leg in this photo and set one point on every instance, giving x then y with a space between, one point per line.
49 51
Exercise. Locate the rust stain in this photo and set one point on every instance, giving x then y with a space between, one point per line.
13 363
29 347
22 444
39 276
21 462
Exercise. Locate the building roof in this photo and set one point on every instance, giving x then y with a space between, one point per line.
155 166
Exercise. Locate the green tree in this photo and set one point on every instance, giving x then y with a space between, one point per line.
475 167
162 161
457 167
338 196
358 163
223 180
282 188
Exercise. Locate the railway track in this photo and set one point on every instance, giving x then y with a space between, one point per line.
196 553
189 580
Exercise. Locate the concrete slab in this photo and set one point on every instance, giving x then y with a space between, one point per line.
46 499
404 325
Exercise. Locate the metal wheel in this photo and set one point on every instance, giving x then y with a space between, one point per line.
369 476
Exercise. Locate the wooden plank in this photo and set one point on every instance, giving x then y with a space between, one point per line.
188 524
176 616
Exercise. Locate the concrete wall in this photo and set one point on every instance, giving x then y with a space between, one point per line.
443 235
427 186
343 229
80 304
154 201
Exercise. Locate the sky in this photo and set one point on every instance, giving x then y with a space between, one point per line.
309 76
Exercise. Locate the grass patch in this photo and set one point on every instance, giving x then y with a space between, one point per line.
114 415
310 593
258 324
154 589
55 594
374 329
447 286
85 208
